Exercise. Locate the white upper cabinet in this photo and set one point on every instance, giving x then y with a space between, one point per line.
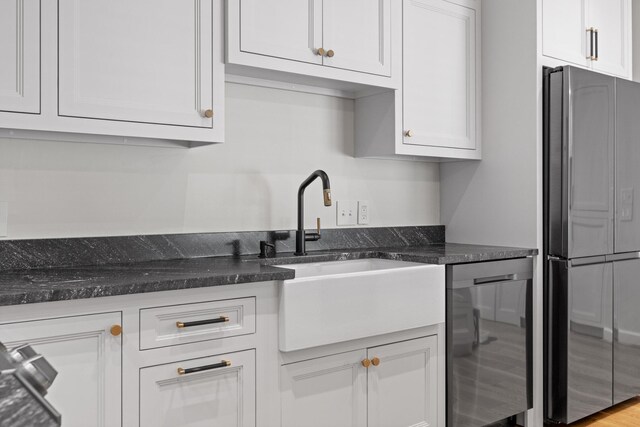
144 61
439 65
20 56
611 20
107 71
356 35
436 114
564 31
594 34
326 43
289 29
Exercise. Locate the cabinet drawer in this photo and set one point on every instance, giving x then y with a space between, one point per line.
188 323
210 391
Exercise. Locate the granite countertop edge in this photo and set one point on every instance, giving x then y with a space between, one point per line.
71 283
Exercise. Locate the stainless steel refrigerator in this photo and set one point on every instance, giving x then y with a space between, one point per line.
591 242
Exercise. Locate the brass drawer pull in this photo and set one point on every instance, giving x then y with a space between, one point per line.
208 114
366 363
330 53
320 52
222 364
375 361
221 319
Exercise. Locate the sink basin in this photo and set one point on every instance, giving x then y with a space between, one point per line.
337 301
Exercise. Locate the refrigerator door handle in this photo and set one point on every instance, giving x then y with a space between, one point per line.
571 181
588 260
623 257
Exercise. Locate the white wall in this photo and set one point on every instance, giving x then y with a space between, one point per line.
274 140
495 201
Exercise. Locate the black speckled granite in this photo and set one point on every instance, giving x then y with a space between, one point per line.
439 253
65 269
60 284
44 285
19 408
51 253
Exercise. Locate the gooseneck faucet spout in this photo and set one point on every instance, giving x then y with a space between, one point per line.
301 236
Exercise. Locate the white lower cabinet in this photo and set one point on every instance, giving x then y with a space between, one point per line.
394 385
87 391
200 392
402 389
328 391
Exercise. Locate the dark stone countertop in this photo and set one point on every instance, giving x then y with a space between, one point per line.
68 283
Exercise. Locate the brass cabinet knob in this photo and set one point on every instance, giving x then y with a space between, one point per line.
116 330
408 133
375 361
366 363
320 51
330 53
208 114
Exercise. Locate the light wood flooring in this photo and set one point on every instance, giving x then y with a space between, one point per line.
626 414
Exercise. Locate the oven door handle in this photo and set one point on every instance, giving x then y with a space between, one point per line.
495 279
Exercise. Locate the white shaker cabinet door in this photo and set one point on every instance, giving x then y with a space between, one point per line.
210 395
20 56
328 391
612 20
440 84
564 31
147 61
403 387
87 391
290 29
357 35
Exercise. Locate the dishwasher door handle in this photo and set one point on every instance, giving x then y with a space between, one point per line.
495 279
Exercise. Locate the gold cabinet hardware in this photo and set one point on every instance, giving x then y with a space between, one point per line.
208 114
366 363
375 361
221 319
330 53
222 364
116 330
318 225
408 133
320 51
590 31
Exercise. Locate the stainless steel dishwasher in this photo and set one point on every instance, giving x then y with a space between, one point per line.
489 341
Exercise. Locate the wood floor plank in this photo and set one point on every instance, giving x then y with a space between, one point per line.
626 414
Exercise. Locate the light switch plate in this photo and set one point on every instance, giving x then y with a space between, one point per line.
363 212
4 219
346 212
626 204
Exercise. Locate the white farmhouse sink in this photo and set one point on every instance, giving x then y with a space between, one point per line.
330 302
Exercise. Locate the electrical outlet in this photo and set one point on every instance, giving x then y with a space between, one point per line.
363 212
346 212
4 219
626 204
